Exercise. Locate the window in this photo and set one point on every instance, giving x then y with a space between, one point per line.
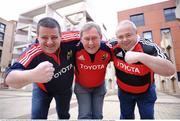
0 54
1 36
148 35
166 30
169 14
138 19
167 39
178 74
2 27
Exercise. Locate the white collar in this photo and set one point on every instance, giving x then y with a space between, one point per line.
135 44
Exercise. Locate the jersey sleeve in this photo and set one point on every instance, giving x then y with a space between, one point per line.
70 36
159 52
70 40
152 48
15 66
32 52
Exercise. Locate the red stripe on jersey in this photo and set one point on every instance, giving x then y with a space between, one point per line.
27 56
41 86
132 89
70 36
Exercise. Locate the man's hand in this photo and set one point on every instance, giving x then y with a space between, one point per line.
43 72
132 57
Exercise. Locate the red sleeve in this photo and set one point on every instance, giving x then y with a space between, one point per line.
70 36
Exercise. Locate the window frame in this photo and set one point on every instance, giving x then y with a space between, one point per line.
2 36
2 29
169 14
150 34
136 19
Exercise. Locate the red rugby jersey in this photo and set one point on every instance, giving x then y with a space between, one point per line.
135 78
91 73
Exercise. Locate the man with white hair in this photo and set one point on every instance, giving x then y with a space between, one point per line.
136 60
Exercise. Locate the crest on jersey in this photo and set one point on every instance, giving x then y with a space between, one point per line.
69 54
104 57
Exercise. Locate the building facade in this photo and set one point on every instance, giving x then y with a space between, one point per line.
7 31
177 11
158 23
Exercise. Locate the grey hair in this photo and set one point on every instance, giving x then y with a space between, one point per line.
126 22
88 26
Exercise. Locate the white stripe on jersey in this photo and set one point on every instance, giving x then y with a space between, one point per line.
30 53
159 51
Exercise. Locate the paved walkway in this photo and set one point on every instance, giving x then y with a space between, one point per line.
16 104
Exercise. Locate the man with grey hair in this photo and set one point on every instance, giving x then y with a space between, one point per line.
136 60
92 58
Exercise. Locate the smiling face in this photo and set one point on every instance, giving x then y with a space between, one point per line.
49 39
126 36
91 40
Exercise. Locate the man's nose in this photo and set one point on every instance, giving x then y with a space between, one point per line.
49 41
124 39
90 41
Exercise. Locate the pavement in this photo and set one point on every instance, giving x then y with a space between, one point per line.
16 104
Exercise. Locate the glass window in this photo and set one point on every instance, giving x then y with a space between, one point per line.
169 14
167 38
166 30
138 19
148 35
178 74
1 36
0 54
2 27
1 43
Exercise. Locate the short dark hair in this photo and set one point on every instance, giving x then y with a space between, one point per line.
48 22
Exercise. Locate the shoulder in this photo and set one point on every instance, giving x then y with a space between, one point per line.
151 48
30 53
147 45
70 36
105 45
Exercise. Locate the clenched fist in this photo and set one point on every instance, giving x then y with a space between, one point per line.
43 72
132 57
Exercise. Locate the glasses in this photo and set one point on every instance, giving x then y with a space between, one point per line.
94 38
126 36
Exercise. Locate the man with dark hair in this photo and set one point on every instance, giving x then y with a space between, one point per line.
49 65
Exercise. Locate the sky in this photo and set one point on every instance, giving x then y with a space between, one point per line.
105 10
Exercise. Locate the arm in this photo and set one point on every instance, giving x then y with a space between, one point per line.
157 64
19 78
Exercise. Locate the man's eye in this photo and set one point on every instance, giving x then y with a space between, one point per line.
120 37
128 35
87 39
45 38
94 38
53 38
